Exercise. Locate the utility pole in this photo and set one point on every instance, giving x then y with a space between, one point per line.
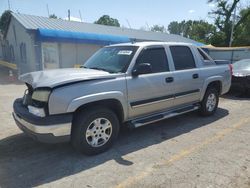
232 30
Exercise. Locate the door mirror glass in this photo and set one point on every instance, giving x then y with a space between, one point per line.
143 68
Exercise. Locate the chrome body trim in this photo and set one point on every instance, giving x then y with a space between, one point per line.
150 103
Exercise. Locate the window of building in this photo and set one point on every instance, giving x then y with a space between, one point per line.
12 54
182 57
50 55
23 52
156 57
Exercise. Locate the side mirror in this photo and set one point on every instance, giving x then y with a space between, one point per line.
143 68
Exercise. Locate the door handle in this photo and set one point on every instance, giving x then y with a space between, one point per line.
169 79
195 76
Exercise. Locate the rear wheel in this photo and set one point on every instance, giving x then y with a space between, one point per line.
210 102
95 130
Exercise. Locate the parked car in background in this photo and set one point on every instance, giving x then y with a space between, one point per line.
241 75
127 84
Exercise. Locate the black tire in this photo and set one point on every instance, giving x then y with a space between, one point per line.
204 110
83 121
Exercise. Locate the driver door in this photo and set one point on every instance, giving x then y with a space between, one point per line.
154 91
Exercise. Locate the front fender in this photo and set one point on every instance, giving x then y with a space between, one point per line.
78 102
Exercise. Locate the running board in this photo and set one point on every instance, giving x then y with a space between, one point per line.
161 116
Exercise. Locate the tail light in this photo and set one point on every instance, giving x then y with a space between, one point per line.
231 69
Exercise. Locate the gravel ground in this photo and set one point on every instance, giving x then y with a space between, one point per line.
185 151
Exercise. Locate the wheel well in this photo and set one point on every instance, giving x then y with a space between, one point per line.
112 104
217 85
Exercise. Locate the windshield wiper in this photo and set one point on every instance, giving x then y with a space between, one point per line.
99 68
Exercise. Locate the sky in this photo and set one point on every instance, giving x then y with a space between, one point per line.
130 13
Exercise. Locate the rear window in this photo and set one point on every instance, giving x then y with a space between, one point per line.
203 55
182 57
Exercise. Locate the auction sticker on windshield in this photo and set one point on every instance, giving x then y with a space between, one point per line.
125 52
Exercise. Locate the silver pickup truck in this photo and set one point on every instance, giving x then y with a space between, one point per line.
120 85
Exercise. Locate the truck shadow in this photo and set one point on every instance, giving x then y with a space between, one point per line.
26 163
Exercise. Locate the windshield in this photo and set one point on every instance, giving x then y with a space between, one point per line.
111 59
242 64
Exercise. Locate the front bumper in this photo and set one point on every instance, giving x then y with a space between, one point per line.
49 129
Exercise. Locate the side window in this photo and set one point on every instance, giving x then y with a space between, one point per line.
182 57
156 57
203 55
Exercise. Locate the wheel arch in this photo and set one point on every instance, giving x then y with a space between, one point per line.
215 82
113 104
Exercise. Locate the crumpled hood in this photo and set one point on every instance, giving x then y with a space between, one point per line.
56 77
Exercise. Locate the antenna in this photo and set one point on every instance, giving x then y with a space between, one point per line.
147 26
80 15
9 4
69 14
47 6
128 23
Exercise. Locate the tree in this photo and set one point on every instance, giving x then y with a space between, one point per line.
175 28
107 20
158 28
198 30
5 21
242 32
53 16
224 13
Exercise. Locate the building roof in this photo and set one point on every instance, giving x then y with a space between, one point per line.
31 22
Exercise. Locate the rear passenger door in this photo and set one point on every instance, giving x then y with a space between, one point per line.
187 79
154 91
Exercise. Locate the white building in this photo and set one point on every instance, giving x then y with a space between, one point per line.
36 43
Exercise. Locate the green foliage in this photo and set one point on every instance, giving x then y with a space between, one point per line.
107 20
176 28
198 30
5 21
242 32
53 16
224 15
158 28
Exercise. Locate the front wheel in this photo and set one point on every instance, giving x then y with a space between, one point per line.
95 130
210 102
